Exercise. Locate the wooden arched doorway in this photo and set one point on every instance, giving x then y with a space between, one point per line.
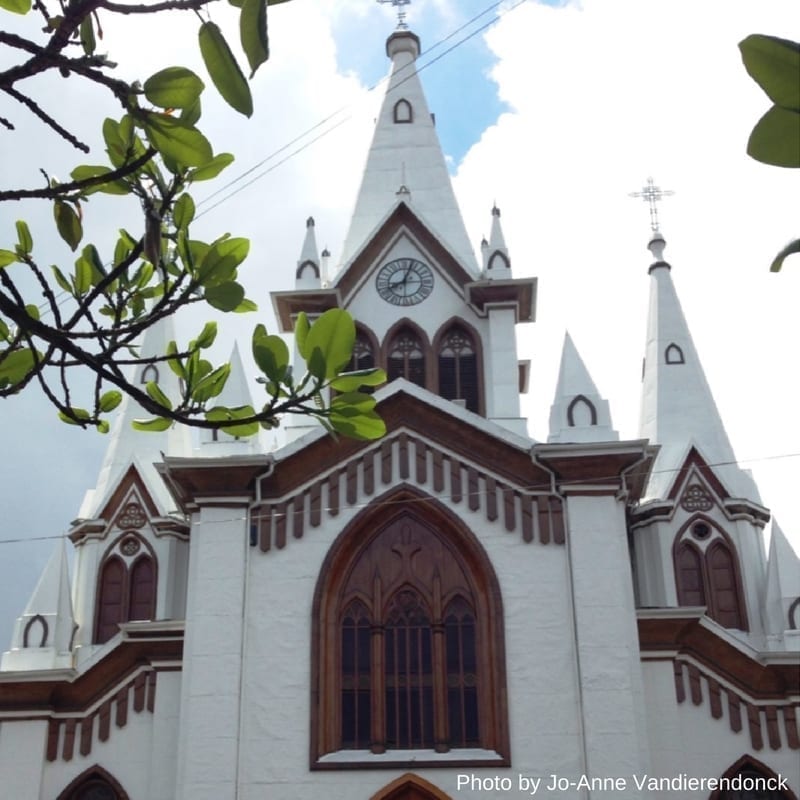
410 787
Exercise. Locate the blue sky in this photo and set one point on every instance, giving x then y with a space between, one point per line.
555 114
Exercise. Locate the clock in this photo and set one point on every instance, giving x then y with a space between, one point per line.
404 282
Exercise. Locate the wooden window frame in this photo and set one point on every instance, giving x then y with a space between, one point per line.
438 343
460 544
400 327
683 539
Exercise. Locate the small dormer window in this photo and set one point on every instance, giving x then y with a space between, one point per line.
674 355
403 111
150 373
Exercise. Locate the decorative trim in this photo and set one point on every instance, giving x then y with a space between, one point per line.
29 626
673 354
410 785
537 516
95 773
579 398
302 268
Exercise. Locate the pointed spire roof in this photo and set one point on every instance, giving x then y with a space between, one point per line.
236 393
406 158
126 445
677 409
42 637
308 265
783 583
496 262
578 413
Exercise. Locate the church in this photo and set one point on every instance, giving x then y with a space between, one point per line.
454 611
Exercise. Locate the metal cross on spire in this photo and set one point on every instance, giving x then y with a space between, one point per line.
652 194
401 14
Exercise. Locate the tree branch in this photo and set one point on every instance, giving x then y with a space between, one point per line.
46 118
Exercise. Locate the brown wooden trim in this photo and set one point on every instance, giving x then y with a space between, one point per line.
790 725
421 459
139 685
150 703
53 730
680 688
104 723
403 456
352 483
87 726
121 715
473 489
526 502
491 498
368 461
333 493
543 516
734 712
695 689
281 511
298 515
438 471
754 723
386 461
773 731
69 740
509 509
456 492
315 504
714 698
264 515
557 517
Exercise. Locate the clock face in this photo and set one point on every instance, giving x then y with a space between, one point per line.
404 282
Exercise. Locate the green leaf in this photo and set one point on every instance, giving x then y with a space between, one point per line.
7 257
25 239
76 416
225 297
352 381
367 426
183 211
61 280
175 363
155 424
270 353
329 344
155 393
212 384
192 113
176 140
68 224
16 365
301 329
245 307
87 171
116 146
775 139
173 87
774 64
87 35
33 311
253 33
102 426
224 71
220 262
17 6
221 414
82 280
207 336
792 247
110 400
212 169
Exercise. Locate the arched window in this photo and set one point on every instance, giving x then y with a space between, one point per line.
406 357
706 573
749 779
408 641
403 111
673 355
581 412
363 353
94 784
124 594
458 368
150 373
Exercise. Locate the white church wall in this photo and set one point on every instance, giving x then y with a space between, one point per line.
21 757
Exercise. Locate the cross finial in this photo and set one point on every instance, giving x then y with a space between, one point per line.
652 194
401 14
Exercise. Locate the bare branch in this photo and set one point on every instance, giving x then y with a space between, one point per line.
151 8
46 118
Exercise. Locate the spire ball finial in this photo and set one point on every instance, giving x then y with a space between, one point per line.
652 194
401 14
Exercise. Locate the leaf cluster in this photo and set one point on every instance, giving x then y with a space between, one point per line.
96 310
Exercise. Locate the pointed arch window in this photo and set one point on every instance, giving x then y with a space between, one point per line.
749 779
363 352
458 368
408 644
707 573
125 594
406 357
94 784
403 112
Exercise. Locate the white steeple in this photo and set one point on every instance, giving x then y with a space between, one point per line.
781 609
127 445
578 413
406 164
42 636
236 393
496 262
308 265
678 411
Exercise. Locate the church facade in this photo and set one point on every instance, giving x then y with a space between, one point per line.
454 611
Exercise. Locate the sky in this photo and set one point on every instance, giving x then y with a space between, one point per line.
556 113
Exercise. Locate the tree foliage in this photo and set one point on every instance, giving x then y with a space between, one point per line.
774 64
96 310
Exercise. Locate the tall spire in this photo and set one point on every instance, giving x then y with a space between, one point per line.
42 637
496 262
678 411
578 413
406 164
308 265
127 445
